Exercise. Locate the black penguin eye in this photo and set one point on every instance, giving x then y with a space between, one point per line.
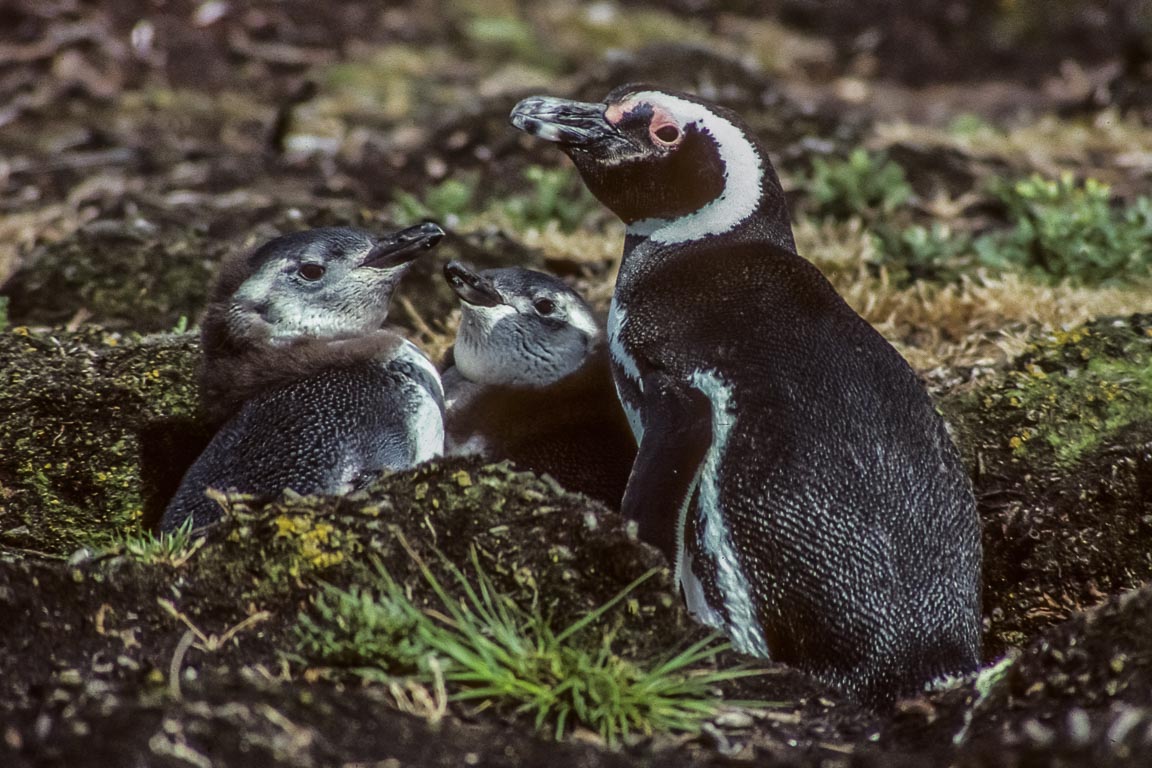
311 271
667 133
544 306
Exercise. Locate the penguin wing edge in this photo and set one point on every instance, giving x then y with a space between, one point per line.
676 438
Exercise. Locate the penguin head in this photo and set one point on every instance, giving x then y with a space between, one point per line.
519 327
670 165
321 283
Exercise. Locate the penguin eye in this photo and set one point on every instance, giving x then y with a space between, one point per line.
311 271
667 134
544 306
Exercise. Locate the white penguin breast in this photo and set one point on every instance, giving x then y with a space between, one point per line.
426 425
429 426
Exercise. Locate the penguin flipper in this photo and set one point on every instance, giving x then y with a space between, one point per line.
677 435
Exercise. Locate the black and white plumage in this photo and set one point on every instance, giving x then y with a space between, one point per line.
790 462
314 394
531 382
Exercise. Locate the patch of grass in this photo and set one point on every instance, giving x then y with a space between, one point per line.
863 184
168 548
553 194
504 37
505 656
1067 230
1072 391
549 195
447 202
917 252
3 313
983 318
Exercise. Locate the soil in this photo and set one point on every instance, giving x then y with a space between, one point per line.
140 142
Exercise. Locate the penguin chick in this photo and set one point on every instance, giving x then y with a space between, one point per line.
531 382
790 463
319 395
289 298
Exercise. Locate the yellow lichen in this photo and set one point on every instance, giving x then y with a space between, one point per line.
318 542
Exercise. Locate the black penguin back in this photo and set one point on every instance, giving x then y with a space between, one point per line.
318 434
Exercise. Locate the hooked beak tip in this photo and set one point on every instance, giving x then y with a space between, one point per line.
559 120
404 246
471 287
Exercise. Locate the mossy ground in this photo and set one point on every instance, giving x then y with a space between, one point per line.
84 418
1071 393
1058 444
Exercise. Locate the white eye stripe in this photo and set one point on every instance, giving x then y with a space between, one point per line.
743 184
580 319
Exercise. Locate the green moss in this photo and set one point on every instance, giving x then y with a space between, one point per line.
1072 392
74 410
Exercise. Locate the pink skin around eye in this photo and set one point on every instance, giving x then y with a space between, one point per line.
661 118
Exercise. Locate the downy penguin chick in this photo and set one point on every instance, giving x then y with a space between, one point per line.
790 463
531 382
317 394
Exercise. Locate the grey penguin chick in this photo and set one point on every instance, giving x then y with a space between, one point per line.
531 382
791 464
316 394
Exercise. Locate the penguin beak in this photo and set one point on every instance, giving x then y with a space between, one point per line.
571 123
470 286
404 246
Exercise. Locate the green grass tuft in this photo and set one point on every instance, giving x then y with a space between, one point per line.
553 194
170 548
548 195
501 655
447 202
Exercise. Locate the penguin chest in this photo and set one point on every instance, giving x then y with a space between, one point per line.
625 371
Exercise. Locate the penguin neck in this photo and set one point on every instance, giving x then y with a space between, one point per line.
752 208
768 224
233 374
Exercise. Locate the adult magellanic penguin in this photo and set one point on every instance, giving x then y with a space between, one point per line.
316 394
531 382
790 462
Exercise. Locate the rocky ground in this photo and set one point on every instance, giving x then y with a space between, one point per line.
140 142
